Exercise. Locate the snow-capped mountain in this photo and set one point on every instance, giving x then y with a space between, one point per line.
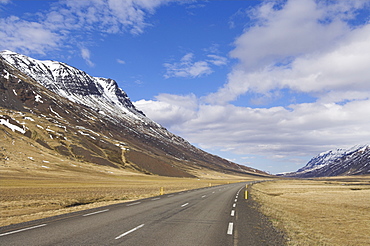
93 120
352 161
100 94
75 85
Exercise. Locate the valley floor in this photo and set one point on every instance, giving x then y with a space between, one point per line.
331 211
29 196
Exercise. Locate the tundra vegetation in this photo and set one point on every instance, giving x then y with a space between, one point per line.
37 182
326 211
29 196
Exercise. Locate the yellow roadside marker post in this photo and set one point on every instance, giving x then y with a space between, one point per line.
161 191
246 192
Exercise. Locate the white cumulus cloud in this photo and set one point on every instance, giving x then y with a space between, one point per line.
85 53
170 110
305 47
300 130
121 61
27 36
64 21
187 67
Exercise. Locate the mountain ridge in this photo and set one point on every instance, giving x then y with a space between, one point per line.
93 120
336 162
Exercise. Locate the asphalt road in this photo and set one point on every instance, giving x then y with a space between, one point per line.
199 217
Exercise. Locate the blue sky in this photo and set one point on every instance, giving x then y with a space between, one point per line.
267 84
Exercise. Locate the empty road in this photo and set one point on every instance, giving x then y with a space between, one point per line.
205 216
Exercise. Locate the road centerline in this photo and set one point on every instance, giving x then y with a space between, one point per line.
20 230
131 204
97 212
128 232
230 228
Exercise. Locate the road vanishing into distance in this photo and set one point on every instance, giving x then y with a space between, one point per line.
207 216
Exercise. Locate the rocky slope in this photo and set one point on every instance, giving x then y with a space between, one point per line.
64 111
339 162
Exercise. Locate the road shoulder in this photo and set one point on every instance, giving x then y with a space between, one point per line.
254 228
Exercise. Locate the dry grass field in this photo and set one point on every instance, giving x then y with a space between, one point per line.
331 211
29 196
36 182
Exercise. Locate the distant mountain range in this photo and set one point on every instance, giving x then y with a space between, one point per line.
66 112
339 162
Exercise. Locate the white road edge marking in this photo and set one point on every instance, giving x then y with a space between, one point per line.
128 232
232 212
135 203
230 229
102 211
156 198
183 205
239 191
24 229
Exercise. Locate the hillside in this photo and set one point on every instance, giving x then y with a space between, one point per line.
339 162
51 111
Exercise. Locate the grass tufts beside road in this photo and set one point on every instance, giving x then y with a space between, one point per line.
320 212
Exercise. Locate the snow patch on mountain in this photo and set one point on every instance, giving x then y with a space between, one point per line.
13 127
99 93
337 161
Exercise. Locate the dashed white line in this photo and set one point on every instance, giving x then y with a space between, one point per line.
235 200
135 203
203 196
234 205
98 212
183 205
170 195
128 232
230 229
156 198
232 212
24 229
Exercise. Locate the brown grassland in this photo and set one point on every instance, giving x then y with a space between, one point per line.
330 211
36 182
29 197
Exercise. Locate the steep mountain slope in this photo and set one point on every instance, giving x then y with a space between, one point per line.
66 112
353 161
